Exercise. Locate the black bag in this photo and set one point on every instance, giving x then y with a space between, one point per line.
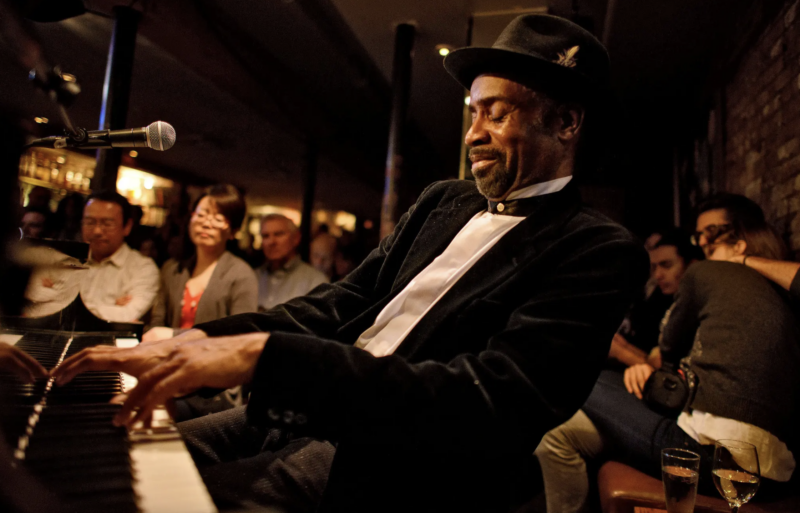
666 391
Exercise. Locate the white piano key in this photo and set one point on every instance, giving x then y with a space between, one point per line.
128 381
10 339
167 479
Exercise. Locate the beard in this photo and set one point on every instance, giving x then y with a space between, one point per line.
493 181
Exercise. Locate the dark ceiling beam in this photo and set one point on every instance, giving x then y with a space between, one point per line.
183 29
335 29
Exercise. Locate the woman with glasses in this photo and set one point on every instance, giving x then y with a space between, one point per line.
735 336
212 283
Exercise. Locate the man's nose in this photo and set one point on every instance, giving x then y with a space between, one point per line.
477 134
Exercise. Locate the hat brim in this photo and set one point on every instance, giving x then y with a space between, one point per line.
467 64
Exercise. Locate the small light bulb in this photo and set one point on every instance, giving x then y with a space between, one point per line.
41 120
134 154
467 100
443 50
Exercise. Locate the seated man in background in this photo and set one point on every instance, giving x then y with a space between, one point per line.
121 285
735 335
35 221
670 256
323 254
283 276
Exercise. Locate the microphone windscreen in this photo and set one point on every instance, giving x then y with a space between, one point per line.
160 136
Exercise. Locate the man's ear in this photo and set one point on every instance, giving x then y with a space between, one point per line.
128 227
740 247
570 118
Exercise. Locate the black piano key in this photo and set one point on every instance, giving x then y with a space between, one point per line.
74 448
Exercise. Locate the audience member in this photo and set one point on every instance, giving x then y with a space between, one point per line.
211 283
283 276
735 335
121 284
323 253
35 222
68 218
39 198
670 256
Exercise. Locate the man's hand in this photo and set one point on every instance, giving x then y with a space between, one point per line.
222 362
635 378
124 300
132 360
18 362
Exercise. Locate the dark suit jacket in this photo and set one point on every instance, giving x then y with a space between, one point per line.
511 351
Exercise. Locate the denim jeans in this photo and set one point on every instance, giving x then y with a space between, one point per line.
635 434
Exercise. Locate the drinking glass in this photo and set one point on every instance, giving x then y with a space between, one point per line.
680 470
736 471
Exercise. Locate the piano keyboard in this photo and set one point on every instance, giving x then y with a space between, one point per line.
64 436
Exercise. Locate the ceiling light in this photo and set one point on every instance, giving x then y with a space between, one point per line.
40 120
444 49
69 77
134 154
467 100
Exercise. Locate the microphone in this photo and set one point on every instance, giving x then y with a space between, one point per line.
159 136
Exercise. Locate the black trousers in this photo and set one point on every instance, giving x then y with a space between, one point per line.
245 467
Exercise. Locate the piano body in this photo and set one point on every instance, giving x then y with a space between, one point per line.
63 436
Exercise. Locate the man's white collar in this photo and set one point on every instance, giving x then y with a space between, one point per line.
540 189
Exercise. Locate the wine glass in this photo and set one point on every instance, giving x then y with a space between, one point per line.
736 471
679 472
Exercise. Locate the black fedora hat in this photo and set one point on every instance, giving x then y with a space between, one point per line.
546 50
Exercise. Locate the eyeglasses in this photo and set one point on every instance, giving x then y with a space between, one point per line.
712 233
105 224
217 221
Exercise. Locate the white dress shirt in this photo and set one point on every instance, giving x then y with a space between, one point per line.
399 317
126 272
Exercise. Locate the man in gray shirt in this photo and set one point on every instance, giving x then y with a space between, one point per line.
284 276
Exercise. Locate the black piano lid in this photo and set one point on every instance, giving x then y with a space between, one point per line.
75 317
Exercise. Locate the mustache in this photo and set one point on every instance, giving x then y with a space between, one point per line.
485 154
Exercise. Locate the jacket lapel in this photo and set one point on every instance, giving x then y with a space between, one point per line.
520 245
439 230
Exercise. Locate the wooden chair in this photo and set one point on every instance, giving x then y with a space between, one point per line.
623 489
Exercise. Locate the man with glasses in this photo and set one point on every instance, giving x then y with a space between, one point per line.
122 283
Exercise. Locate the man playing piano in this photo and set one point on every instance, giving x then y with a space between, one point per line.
437 365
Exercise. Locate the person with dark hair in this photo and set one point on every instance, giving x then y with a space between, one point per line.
68 216
735 225
39 198
35 222
734 336
211 283
435 366
670 257
122 283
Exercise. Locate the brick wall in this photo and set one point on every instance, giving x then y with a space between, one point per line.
762 123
